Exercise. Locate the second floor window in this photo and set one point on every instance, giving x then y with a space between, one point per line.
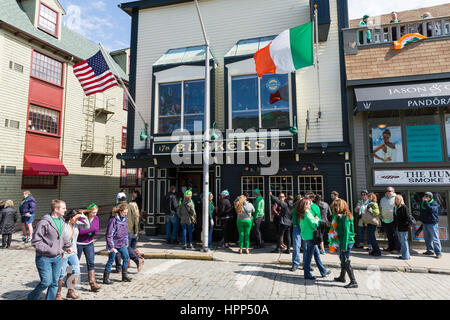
124 137
47 68
43 120
260 103
48 20
181 104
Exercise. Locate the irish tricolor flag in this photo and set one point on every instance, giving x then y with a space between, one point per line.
290 50
407 39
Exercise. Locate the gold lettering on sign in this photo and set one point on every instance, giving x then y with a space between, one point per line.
232 143
246 145
180 147
259 145
218 146
193 147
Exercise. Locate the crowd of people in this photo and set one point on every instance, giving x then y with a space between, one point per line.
431 28
62 236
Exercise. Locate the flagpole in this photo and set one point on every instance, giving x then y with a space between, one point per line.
130 98
206 139
316 29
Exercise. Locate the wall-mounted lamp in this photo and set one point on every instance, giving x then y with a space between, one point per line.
324 147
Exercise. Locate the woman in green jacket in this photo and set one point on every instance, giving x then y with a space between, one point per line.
308 223
346 236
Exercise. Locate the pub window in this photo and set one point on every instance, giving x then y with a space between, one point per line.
311 184
181 104
40 182
130 177
48 20
279 184
43 120
260 103
250 183
46 68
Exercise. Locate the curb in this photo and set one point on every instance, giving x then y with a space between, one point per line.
210 257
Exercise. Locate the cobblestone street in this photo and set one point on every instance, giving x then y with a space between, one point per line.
212 280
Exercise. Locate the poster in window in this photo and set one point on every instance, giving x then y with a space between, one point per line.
387 144
424 143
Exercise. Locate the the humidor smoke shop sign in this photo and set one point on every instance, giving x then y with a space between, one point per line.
412 177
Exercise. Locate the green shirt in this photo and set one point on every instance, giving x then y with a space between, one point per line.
346 232
315 210
307 225
59 225
259 207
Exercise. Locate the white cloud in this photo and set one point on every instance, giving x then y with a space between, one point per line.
87 24
99 5
358 8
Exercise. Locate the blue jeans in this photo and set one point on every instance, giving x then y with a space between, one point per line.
131 246
431 235
371 238
187 228
210 232
71 260
49 270
296 244
172 226
112 256
89 253
309 250
345 256
403 238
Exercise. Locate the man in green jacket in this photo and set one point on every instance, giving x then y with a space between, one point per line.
258 217
364 23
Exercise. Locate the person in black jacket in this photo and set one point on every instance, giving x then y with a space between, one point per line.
429 215
172 219
402 222
325 215
285 223
225 213
8 219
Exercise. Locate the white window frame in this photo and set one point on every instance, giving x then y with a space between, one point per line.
253 188
172 75
286 192
245 68
311 176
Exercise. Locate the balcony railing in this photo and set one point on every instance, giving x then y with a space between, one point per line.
386 33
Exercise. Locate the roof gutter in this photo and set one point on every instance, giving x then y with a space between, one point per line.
128 7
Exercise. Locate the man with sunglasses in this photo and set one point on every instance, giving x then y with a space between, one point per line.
387 205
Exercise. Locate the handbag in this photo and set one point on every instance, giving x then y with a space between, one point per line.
317 239
367 217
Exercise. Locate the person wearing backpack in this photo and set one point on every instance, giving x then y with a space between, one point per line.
244 210
429 215
372 219
402 222
170 205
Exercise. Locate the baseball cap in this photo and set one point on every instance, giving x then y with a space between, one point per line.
365 191
256 191
366 16
429 194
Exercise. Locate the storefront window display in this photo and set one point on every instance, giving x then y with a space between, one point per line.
386 144
447 132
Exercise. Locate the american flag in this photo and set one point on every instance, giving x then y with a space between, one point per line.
94 74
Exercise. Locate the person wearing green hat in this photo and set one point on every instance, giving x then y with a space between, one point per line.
429 215
186 212
211 210
364 23
258 217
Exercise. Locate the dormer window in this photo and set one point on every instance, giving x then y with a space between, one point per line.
48 20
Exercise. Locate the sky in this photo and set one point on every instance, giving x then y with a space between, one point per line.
358 8
102 21
99 21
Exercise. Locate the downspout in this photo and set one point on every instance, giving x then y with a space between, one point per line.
64 121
